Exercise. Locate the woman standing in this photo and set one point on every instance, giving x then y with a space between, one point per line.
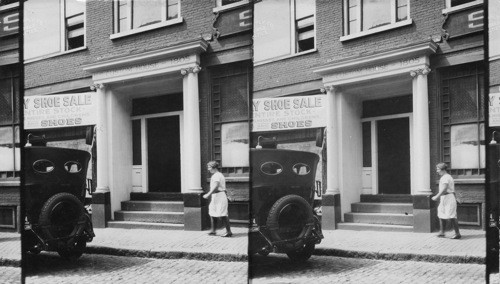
447 209
218 204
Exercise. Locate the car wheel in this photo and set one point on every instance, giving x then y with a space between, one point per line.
302 254
290 217
62 217
73 251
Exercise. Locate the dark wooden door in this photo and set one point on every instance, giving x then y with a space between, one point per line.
164 157
393 138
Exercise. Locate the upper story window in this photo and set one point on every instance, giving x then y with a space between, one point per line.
138 14
53 26
455 3
283 28
364 15
10 161
222 3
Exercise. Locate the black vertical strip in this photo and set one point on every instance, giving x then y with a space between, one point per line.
22 135
250 143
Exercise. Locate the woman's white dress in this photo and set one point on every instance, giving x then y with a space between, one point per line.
447 208
218 204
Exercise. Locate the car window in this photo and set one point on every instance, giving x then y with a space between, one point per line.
271 168
43 166
301 169
73 167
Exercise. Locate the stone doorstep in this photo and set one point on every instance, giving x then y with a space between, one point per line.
150 216
377 207
163 206
379 218
375 227
144 225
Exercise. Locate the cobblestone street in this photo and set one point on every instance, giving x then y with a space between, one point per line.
276 268
50 268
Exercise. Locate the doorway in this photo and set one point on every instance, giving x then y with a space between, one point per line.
164 155
393 140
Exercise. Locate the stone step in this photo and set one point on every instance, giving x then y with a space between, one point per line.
164 206
376 207
150 216
156 196
392 198
379 218
145 225
374 227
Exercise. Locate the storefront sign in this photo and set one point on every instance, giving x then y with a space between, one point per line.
289 113
9 23
234 21
66 110
494 109
464 22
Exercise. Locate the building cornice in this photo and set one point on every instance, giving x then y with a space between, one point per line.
425 48
185 48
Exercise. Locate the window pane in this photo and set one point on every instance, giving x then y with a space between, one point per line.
123 16
234 98
146 12
376 13
136 142
6 149
235 144
304 8
304 24
463 99
173 9
228 2
5 101
74 7
460 2
272 35
465 147
41 29
367 144
402 10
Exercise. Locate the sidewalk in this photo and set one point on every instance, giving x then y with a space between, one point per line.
195 244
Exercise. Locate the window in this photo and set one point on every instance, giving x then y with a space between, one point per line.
221 3
462 107
230 126
364 15
47 34
455 3
137 14
283 28
9 123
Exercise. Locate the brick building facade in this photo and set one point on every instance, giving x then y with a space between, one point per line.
169 83
404 90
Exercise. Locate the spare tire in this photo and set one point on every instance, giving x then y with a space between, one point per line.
290 217
62 217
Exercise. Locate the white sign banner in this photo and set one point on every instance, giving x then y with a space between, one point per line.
289 113
494 110
65 110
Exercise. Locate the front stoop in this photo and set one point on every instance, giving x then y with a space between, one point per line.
150 211
380 213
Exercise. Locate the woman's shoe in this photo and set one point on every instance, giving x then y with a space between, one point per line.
227 235
211 234
456 237
440 235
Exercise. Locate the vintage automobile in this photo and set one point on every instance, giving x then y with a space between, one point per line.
54 197
282 194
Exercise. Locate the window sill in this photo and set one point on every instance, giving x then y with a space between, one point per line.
230 6
147 28
284 57
377 30
55 55
462 7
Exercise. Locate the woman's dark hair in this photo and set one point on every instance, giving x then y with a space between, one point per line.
442 166
213 164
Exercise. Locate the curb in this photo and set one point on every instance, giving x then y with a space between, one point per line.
401 256
204 256
10 262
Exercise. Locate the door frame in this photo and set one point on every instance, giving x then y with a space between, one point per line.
144 145
374 148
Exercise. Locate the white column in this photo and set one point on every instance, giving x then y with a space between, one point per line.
192 143
421 148
102 139
332 142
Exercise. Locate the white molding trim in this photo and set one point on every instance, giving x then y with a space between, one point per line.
147 28
9 6
377 30
43 57
450 10
224 8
